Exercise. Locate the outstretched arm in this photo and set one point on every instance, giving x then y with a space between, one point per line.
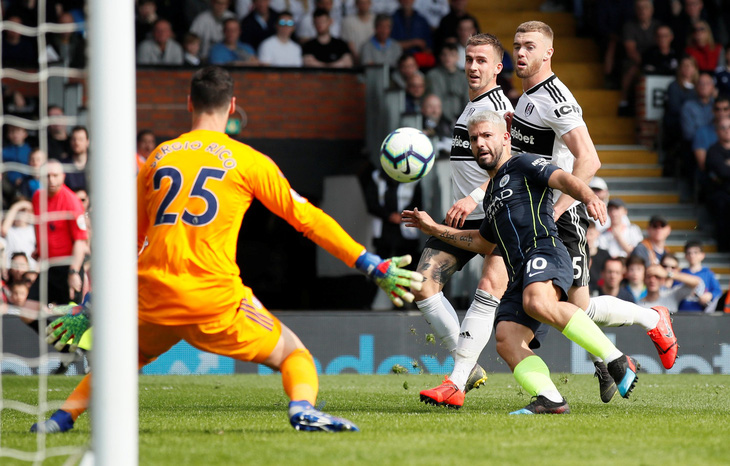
578 189
456 216
470 240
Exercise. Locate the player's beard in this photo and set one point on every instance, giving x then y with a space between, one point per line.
531 70
488 166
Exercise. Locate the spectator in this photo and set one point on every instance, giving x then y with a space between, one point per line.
407 67
680 91
57 135
31 182
162 48
622 237
446 31
415 90
652 249
386 199
144 20
381 49
191 49
18 151
280 49
66 237
297 8
658 294
18 50
707 301
146 143
435 126
637 37
84 198
359 28
67 48
413 33
208 25
306 30
718 171
635 271
706 135
703 49
433 10
19 265
76 167
231 51
260 24
612 274
447 82
661 59
722 76
18 293
466 28
18 232
695 114
597 257
325 50
683 22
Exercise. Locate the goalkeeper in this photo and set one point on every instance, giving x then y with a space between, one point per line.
192 194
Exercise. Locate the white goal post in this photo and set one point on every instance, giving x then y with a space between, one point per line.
112 112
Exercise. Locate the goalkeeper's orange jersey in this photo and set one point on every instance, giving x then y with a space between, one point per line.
192 194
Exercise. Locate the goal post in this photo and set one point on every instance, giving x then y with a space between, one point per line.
112 121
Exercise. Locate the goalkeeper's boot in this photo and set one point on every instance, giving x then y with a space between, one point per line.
623 370
664 338
605 382
303 416
446 394
60 421
541 405
477 378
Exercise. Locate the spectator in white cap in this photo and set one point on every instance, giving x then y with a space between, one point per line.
621 237
599 186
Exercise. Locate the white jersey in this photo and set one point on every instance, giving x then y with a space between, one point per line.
466 174
544 113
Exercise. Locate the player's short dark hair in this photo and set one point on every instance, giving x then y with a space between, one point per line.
211 89
487 39
536 26
693 243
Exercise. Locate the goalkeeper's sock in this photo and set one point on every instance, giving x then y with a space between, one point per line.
78 400
299 376
609 311
534 376
442 318
582 330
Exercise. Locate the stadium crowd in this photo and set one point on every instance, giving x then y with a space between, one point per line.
423 41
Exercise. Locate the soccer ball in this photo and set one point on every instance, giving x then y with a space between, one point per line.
407 155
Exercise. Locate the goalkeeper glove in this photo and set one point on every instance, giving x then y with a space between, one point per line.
69 326
390 277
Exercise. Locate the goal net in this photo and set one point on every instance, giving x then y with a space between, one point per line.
101 97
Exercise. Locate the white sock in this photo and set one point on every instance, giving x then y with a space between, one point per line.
609 311
473 336
442 319
613 356
552 395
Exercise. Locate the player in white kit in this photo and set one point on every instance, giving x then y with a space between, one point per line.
439 261
548 121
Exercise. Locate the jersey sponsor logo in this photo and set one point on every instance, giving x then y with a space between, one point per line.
456 141
471 112
517 135
529 108
538 162
566 109
496 202
504 181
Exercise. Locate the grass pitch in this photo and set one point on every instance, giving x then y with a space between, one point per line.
241 419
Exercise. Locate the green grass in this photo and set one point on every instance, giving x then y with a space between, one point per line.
241 419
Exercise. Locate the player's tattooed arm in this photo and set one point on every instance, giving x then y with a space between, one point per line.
470 240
